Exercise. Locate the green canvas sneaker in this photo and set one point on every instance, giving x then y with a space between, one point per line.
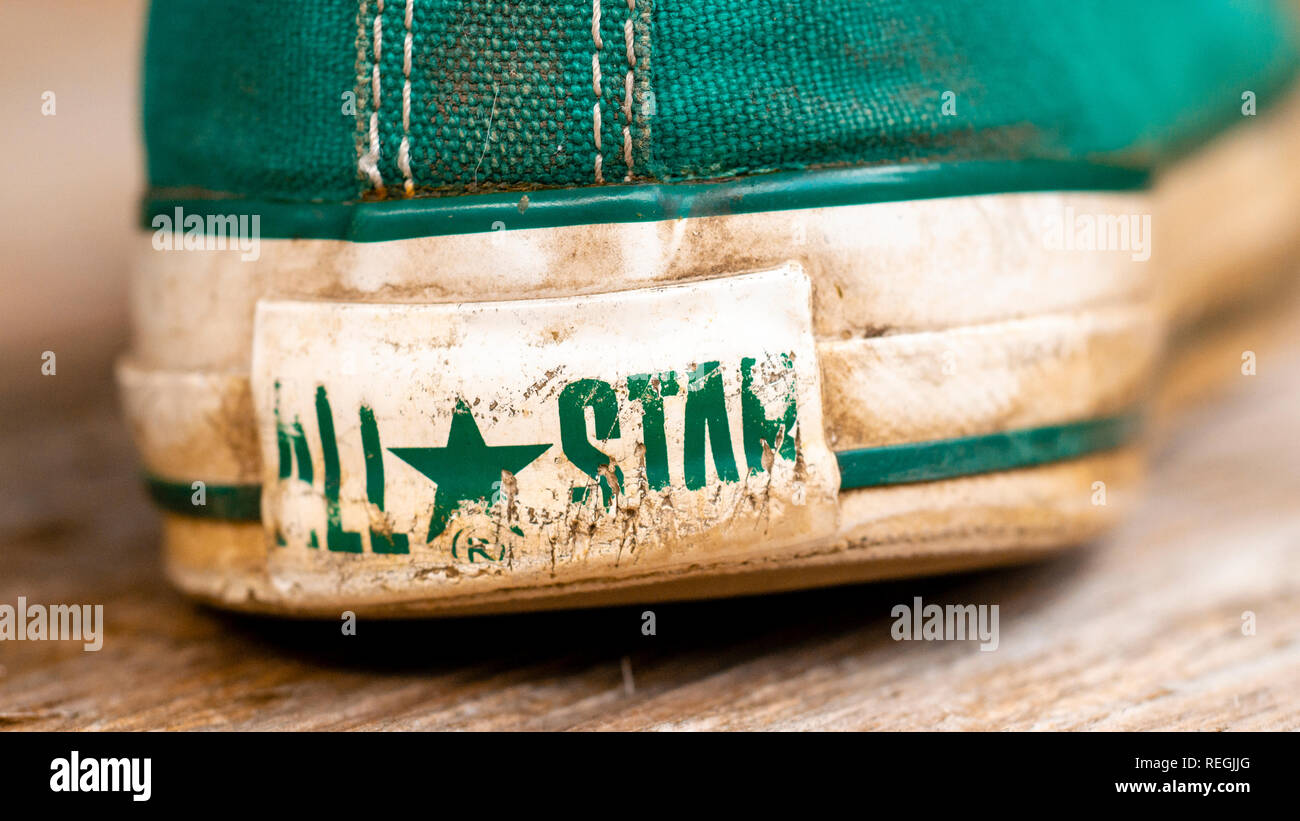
457 306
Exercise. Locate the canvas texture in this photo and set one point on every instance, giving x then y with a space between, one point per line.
277 101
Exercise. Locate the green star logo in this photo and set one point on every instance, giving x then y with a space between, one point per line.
467 468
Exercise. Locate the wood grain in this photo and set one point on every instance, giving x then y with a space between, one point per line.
1141 630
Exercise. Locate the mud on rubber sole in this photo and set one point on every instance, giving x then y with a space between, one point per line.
583 415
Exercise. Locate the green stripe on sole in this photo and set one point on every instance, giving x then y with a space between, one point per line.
970 455
228 502
868 467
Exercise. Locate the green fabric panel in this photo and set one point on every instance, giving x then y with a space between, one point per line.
766 84
244 98
500 93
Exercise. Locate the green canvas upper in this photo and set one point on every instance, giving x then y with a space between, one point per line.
272 101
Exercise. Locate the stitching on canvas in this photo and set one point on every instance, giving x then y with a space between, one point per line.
627 91
404 151
362 103
595 85
370 163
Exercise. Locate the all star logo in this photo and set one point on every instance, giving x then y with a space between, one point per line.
498 469
466 469
408 447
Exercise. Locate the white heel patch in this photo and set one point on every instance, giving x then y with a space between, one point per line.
477 447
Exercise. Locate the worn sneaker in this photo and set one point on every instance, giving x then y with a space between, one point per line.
466 306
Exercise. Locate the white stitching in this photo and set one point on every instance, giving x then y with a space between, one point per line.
595 85
404 151
370 163
627 91
627 33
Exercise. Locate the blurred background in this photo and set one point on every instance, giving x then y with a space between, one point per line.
66 289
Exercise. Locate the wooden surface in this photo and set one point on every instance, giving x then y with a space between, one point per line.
1141 630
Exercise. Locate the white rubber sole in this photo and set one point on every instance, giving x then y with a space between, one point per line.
880 325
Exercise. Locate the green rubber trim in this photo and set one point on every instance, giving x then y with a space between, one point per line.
869 467
397 219
237 503
969 455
